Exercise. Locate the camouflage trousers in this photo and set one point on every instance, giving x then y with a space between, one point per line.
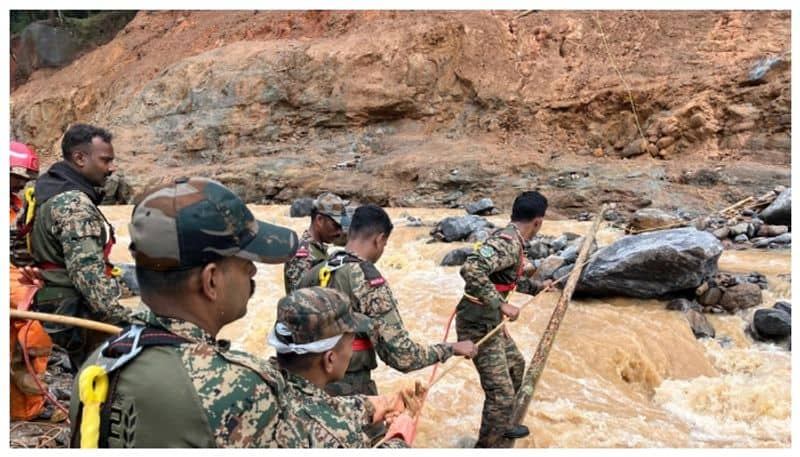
500 368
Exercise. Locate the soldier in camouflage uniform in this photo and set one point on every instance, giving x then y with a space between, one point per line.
353 273
194 243
326 226
313 334
71 239
490 274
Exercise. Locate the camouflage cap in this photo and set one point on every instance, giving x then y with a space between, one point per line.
193 221
330 205
316 313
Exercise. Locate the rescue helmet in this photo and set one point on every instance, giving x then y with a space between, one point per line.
24 161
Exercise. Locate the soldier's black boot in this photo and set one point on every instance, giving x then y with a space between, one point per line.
516 432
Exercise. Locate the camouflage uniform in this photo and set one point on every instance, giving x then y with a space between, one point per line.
312 317
197 394
311 252
68 238
488 274
370 294
184 387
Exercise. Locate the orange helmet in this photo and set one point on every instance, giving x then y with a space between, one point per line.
24 161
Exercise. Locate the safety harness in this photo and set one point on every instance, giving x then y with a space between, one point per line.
502 287
98 381
25 227
371 274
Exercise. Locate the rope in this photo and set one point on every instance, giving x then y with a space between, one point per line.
619 73
434 380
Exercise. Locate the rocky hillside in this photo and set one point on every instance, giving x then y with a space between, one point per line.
438 108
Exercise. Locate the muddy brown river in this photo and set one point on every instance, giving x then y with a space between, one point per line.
622 373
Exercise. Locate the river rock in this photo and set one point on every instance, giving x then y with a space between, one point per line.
772 230
772 323
738 229
682 304
711 296
700 325
722 233
742 238
740 296
301 207
457 228
651 218
562 272
549 266
779 212
652 264
481 207
456 257
538 249
783 305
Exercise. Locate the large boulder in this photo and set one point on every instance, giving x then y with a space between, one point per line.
772 323
651 218
700 325
652 264
779 212
740 296
458 228
481 207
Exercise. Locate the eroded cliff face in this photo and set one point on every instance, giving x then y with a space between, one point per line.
438 108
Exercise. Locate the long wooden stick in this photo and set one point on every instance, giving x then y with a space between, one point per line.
66 320
539 359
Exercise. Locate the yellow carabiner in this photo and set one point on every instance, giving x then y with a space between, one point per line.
93 389
30 199
116 272
324 276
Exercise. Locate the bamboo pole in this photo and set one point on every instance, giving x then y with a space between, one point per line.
539 359
66 320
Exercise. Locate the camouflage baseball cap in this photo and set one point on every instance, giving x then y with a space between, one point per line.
316 313
330 205
193 221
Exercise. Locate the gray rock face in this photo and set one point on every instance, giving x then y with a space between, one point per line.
783 305
652 264
456 257
459 228
480 207
301 207
772 323
779 212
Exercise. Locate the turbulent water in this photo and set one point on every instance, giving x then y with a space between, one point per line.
622 373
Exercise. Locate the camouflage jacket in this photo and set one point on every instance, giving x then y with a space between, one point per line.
69 230
197 394
309 253
370 294
497 261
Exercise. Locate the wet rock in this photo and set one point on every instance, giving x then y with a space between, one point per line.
784 306
700 325
459 227
711 296
738 229
772 230
482 207
740 296
538 249
740 238
779 212
570 253
549 266
559 243
651 218
611 216
772 324
682 304
721 233
652 264
562 272
634 148
786 238
456 257
301 207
